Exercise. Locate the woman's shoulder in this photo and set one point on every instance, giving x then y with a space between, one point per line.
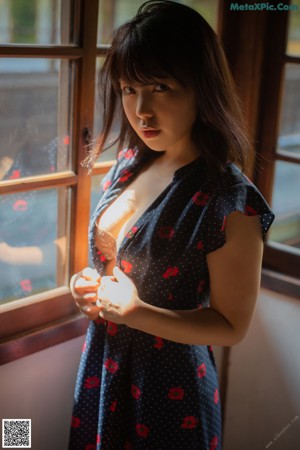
232 186
234 191
231 177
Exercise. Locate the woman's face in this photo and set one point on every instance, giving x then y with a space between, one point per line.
162 114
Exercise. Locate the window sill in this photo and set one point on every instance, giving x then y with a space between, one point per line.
25 343
55 333
281 283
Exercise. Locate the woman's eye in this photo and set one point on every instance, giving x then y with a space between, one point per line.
127 90
161 87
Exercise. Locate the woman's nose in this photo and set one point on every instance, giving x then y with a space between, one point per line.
144 106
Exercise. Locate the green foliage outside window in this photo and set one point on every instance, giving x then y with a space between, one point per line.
23 14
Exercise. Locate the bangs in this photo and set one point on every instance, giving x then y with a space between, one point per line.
143 59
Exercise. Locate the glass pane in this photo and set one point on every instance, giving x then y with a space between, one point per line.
110 153
286 204
33 230
40 22
289 135
95 197
35 111
113 13
293 44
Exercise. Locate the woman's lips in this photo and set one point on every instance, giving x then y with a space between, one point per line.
148 134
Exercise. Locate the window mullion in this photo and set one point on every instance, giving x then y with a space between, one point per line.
83 120
271 88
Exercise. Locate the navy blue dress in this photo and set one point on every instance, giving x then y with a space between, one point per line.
139 391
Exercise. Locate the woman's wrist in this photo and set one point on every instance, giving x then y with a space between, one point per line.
138 315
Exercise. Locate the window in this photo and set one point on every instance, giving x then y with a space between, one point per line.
50 52
47 92
280 140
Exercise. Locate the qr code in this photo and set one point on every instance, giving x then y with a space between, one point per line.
16 433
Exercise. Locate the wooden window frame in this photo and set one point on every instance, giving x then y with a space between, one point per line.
257 56
42 320
282 261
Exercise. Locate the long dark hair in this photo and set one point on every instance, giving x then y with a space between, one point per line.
170 40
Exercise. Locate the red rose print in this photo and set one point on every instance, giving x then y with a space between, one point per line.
75 422
171 272
126 266
111 365
129 153
201 371
216 396
125 175
135 391
250 211
166 232
84 347
106 185
200 245
170 296
200 198
26 285
200 286
213 443
98 439
15 174
99 321
90 447
101 257
92 382
113 406
67 140
189 422
176 393
142 430
210 348
112 328
223 223
131 232
127 446
20 205
159 343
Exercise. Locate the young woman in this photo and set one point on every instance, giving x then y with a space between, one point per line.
177 241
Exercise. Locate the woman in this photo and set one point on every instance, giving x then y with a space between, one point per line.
177 241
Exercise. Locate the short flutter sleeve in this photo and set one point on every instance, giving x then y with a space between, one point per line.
242 197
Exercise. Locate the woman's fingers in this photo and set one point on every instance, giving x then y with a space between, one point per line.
87 304
90 274
84 287
85 281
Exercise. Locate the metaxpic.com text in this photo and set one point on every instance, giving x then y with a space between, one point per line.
234 6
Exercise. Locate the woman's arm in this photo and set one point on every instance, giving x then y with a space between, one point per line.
234 272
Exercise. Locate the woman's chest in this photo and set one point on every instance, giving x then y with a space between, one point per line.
121 214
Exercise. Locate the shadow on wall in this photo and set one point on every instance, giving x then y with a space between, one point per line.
263 397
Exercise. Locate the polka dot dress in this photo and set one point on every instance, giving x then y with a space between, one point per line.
142 392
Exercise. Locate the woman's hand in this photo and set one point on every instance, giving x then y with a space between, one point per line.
118 298
84 286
